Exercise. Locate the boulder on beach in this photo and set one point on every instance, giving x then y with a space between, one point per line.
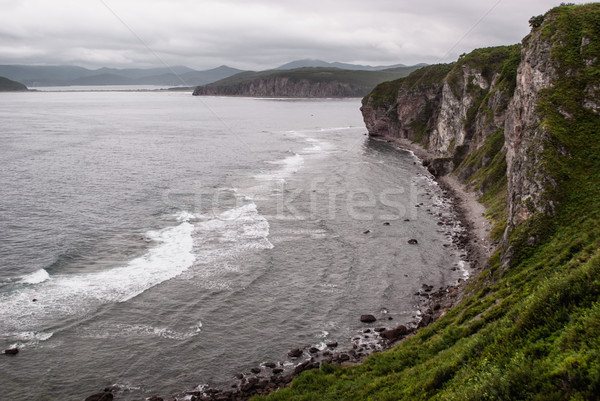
367 318
413 241
393 335
426 320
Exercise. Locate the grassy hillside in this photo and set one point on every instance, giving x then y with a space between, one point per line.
529 330
6 85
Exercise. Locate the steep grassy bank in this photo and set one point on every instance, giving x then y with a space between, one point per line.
529 141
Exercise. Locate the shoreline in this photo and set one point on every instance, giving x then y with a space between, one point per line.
473 241
471 213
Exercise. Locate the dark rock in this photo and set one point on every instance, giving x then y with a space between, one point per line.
295 353
11 351
386 223
367 331
277 371
440 166
367 318
379 329
106 396
343 357
366 231
239 376
312 365
155 398
270 365
255 370
426 320
332 344
413 241
313 350
301 368
395 334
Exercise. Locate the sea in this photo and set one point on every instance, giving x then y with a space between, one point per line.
157 242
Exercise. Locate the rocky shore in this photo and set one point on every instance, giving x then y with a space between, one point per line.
379 331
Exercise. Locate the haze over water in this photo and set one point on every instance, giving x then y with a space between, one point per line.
170 241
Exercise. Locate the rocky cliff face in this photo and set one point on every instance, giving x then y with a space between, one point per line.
284 87
499 118
524 135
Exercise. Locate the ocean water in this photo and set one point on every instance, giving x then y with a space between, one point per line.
159 242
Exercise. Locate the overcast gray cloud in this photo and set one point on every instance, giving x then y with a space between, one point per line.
255 34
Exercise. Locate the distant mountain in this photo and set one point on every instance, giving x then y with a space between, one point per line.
345 66
300 82
71 75
7 85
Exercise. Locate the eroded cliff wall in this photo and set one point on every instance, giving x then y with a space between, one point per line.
498 118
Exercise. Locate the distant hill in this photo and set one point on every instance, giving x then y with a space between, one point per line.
344 66
300 82
7 85
72 75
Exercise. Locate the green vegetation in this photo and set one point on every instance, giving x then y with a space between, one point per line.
385 94
6 85
360 81
530 328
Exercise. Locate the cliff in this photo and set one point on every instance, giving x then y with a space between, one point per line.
301 82
521 126
284 87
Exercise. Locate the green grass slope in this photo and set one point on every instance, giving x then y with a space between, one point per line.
530 331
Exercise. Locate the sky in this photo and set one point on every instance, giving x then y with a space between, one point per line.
255 35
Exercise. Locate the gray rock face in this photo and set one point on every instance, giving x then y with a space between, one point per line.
284 87
471 104
524 137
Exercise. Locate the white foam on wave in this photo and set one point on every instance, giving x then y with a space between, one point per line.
120 330
36 277
288 166
219 239
240 228
62 296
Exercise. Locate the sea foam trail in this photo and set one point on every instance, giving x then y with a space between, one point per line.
62 296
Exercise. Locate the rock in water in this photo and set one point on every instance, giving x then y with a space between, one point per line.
367 318
11 351
413 241
106 396
295 353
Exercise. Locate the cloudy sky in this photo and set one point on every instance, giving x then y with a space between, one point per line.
255 34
